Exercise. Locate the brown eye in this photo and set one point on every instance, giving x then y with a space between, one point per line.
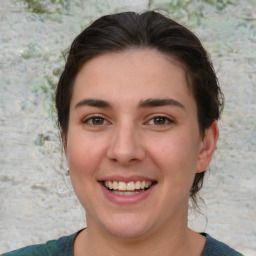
96 120
160 120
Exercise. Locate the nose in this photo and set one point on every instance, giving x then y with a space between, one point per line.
125 145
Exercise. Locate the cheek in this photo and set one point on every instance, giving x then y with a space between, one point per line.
83 153
176 157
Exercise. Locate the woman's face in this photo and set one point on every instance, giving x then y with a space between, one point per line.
133 144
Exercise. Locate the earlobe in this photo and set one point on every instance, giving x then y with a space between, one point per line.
207 147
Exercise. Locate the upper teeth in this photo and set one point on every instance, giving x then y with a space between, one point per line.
130 186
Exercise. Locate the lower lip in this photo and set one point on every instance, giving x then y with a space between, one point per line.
130 199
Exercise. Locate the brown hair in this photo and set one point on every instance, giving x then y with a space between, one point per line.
150 29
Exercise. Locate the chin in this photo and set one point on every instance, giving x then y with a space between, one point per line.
128 227
128 233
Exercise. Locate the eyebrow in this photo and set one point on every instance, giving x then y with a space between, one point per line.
143 104
93 103
160 102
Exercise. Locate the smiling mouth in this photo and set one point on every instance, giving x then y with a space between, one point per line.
129 188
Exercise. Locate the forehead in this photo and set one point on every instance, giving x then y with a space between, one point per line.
131 75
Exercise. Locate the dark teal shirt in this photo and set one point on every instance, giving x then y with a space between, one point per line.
64 247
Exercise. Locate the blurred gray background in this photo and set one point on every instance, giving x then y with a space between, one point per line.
37 202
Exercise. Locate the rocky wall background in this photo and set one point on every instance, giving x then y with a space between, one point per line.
37 202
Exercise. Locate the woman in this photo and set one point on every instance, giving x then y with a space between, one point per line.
138 104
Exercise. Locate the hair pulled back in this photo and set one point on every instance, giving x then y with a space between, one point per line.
150 29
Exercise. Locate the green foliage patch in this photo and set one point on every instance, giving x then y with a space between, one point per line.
48 6
31 50
195 10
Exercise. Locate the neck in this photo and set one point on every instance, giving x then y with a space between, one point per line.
179 241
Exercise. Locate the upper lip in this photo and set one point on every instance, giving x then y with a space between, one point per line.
126 178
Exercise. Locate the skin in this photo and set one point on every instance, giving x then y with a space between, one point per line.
116 132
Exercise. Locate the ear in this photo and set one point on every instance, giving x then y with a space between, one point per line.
207 147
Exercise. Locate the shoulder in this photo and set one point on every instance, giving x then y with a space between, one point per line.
62 246
214 247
